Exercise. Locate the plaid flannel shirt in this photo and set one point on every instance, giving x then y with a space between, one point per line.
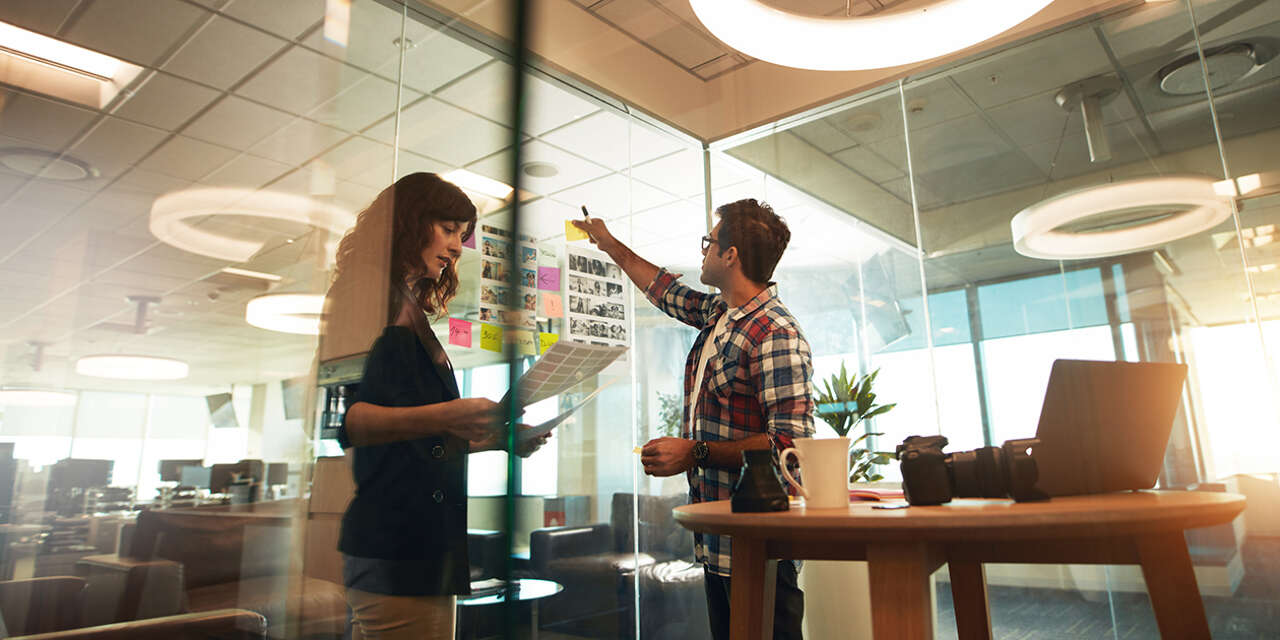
760 380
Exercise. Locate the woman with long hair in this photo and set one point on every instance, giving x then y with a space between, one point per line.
404 538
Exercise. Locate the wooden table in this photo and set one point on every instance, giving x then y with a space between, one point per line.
904 547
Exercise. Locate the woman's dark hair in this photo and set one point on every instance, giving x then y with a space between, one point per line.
415 203
758 233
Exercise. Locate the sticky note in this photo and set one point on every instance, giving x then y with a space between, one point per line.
572 233
549 278
552 305
491 337
545 340
470 243
637 450
459 332
524 343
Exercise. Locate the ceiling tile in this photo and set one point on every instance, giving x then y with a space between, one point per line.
299 81
444 132
165 102
679 173
869 164
237 123
222 53
544 218
572 170
958 142
42 123
371 40
1032 68
662 31
360 105
115 145
187 158
286 19
298 142
614 196
1039 118
44 16
485 92
598 136
246 171
357 156
139 32
435 60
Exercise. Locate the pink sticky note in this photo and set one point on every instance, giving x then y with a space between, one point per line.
549 278
459 332
552 305
470 243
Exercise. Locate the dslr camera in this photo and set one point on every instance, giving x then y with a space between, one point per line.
930 476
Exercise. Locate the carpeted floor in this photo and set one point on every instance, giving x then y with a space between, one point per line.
1049 614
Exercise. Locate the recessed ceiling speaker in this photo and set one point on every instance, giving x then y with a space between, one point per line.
540 169
1088 96
1227 64
46 165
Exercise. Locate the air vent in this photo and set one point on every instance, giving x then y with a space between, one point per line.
1227 65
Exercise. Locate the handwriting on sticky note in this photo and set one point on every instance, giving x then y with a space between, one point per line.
491 337
524 342
552 305
459 332
549 278
572 233
545 340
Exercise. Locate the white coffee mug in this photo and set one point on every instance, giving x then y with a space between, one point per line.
825 465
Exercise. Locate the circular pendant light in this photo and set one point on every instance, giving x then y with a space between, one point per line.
131 367
286 312
855 43
1196 205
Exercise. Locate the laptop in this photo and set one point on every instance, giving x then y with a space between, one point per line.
1105 425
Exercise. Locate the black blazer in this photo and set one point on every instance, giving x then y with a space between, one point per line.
411 497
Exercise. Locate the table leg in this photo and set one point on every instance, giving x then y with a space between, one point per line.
751 590
969 593
1171 583
900 589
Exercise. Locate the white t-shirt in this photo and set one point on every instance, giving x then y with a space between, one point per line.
708 350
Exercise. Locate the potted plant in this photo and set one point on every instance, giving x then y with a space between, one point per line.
843 403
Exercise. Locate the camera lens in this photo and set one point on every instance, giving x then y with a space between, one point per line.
979 473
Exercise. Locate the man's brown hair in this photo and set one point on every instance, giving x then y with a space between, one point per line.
758 233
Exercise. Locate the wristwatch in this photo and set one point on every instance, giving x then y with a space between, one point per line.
700 453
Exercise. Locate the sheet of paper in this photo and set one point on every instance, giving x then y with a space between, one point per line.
546 427
563 365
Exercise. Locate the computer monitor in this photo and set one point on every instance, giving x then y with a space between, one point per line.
277 473
195 476
171 470
80 473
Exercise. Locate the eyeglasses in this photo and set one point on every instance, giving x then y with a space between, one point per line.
707 241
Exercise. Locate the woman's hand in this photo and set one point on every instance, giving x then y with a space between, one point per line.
497 442
475 419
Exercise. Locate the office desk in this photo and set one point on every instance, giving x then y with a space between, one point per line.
903 547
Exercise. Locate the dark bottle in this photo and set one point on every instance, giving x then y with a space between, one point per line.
758 488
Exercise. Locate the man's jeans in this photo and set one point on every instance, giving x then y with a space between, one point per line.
788 604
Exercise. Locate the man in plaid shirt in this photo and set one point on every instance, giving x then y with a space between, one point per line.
748 380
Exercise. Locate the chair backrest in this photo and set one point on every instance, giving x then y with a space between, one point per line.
41 605
225 624
214 547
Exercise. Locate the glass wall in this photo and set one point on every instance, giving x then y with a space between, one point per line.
187 206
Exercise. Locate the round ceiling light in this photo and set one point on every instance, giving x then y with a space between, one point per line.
46 165
132 367
170 213
1037 234
31 397
1227 64
286 312
538 169
854 43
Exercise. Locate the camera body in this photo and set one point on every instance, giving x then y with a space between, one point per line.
930 476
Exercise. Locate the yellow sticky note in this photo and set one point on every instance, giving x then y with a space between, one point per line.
491 337
572 233
524 342
545 340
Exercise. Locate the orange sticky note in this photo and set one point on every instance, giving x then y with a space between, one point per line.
491 337
552 305
572 233
545 340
